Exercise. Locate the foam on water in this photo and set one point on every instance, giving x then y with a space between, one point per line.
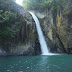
51 54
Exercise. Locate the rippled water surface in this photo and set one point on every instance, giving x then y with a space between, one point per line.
53 63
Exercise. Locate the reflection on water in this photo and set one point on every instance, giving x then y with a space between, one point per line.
55 63
41 64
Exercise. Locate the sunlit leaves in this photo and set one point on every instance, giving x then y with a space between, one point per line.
36 3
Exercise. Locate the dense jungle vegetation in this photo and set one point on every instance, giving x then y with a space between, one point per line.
8 17
38 4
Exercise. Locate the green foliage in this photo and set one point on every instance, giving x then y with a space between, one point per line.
7 18
46 3
57 4
71 26
67 13
10 20
36 4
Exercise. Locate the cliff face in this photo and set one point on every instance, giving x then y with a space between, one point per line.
57 28
24 41
63 27
18 35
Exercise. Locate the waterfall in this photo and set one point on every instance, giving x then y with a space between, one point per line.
44 48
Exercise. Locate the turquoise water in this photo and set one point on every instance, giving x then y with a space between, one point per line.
55 63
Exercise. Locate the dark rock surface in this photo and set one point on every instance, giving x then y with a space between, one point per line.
25 42
57 28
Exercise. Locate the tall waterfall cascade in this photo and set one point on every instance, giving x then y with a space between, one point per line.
44 48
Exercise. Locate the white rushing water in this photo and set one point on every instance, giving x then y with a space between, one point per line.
43 44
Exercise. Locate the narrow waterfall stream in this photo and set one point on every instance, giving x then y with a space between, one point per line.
44 48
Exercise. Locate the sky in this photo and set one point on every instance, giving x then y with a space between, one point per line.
19 2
